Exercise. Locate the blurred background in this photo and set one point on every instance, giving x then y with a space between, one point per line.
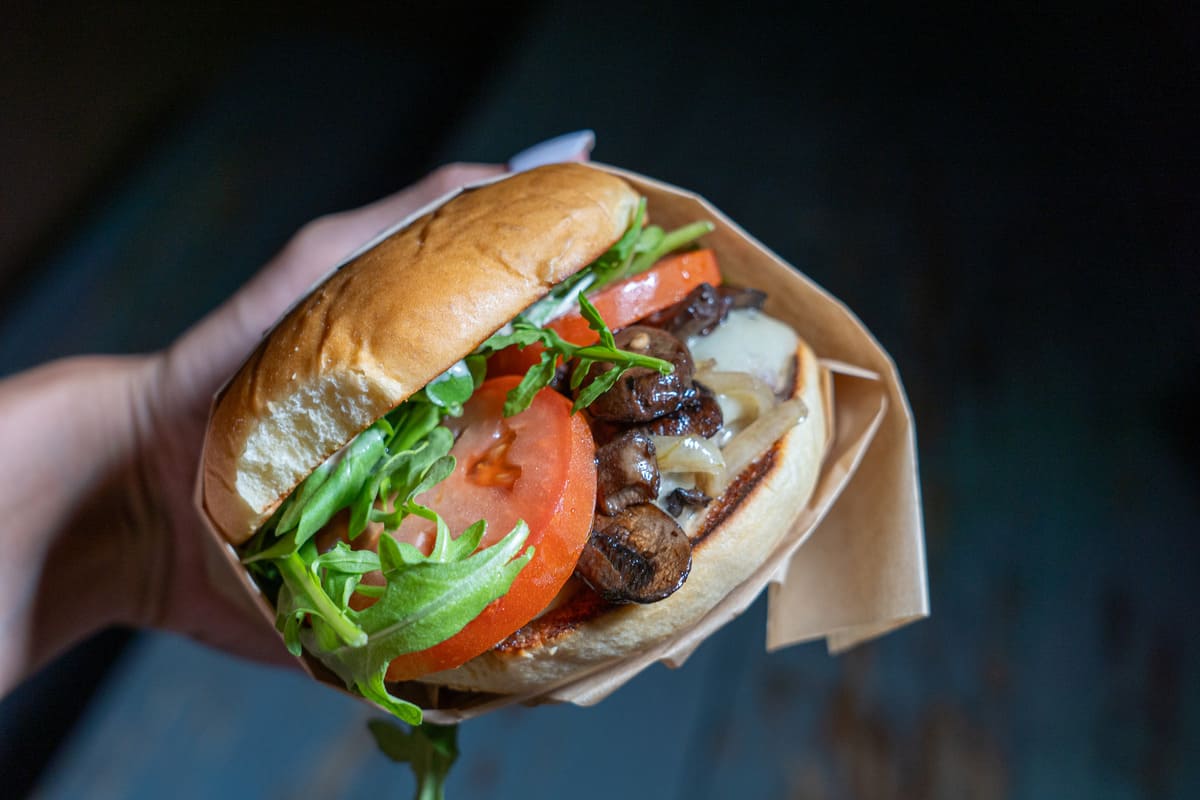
1008 199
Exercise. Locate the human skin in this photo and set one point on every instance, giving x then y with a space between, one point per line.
97 523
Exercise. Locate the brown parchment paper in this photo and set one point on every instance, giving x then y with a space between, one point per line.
853 565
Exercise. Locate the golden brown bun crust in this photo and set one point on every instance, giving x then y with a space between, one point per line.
393 319
743 532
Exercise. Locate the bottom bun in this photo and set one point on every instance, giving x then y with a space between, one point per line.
731 539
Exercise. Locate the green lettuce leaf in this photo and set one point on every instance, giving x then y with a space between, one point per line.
399 477
557 348
429 749
454 387
427 600
303 594
344 483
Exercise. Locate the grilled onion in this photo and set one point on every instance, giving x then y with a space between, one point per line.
688 454
751 443
750 395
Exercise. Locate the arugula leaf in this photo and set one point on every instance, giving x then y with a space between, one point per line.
635 252
283 546
650 244
614 263
520 333
557 348
398 477
289 613
452 388
344 483
429 749
653 247
395 555
340 586
294 505
477 366
412 421
318 587
430 601
599 385
375 689
302 594
651 238
425 602
344 560
538 377
596 323
403 504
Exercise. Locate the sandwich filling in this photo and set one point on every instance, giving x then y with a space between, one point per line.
375 563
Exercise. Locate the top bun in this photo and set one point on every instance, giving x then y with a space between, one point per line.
393 319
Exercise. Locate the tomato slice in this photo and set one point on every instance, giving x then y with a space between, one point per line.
621 304
538 466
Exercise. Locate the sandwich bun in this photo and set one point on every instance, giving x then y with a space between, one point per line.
393 319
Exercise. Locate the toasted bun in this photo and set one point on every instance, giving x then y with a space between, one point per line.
731 540
390 321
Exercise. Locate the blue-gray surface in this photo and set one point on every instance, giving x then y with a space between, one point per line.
1044 323
206 725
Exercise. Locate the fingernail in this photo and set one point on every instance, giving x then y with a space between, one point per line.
567 147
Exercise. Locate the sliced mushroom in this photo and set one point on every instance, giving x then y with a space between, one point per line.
639 556
643 394
742 297
626 472
681 498
700 415
704 308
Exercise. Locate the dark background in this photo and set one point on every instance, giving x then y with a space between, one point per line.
1008 199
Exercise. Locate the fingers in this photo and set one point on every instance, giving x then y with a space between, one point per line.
210 351
327 241
575 146
371 219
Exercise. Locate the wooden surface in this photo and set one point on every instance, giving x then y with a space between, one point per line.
1001 200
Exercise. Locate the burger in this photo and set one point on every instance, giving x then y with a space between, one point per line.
524 437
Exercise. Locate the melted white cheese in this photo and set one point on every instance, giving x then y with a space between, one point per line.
747 341
750 341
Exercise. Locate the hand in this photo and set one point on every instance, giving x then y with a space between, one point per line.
179 385
97 523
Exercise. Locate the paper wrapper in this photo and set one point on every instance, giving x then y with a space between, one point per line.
861 570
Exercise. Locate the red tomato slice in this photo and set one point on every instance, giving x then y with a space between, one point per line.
621 305
538 466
